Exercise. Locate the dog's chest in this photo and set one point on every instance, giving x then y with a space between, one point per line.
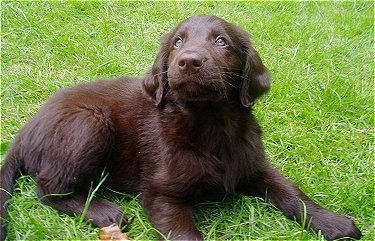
199 152
201 172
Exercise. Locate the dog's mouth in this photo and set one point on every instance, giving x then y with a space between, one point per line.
195 90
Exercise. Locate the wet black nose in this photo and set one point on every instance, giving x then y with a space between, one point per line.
190 62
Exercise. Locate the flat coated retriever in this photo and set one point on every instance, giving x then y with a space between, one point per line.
183 134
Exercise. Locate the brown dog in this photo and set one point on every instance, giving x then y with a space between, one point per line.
182 135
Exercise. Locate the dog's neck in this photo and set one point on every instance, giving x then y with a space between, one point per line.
224 115
217 109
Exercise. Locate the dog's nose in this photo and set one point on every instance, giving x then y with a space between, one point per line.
190 61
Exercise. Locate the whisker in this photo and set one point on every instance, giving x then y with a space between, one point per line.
233 74
231 82
160 73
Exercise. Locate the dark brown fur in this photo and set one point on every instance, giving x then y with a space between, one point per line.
181 135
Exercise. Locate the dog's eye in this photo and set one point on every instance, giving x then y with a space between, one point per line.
220 41
178 42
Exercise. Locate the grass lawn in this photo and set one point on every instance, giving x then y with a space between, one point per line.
318 118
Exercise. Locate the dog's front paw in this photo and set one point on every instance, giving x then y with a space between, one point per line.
338 227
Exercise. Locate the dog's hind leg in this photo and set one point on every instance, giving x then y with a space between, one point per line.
74 147
98 211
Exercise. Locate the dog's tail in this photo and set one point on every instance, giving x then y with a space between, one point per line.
9 171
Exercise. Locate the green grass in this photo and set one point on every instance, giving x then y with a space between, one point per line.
318 118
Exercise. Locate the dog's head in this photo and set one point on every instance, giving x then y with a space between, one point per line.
206 58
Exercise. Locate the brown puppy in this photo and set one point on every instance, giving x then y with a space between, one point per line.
182 135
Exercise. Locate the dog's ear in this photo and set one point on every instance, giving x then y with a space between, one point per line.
257 78
156 82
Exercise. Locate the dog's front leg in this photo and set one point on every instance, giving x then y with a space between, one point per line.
272 186
173 219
